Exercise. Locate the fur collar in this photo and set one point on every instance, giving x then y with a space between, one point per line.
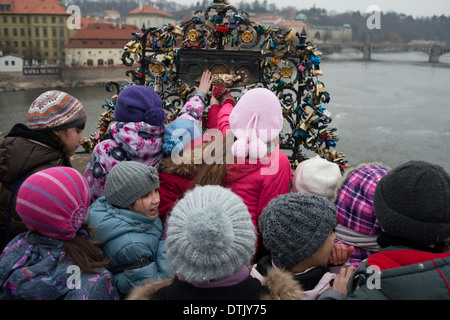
280 285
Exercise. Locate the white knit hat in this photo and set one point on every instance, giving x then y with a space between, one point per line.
210 234
317 176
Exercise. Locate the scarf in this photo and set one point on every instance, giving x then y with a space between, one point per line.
357 239
237 277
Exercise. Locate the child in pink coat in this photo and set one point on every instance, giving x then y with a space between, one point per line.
261 171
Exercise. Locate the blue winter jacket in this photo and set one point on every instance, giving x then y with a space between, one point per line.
37 269
126 237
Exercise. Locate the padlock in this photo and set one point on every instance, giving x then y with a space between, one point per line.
290 35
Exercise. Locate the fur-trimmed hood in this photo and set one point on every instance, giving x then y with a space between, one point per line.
186 168
278 285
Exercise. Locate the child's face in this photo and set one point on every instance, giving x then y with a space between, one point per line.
148 204
324 252
72 139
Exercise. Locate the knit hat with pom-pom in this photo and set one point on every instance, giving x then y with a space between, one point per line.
256 120
210 234
138 103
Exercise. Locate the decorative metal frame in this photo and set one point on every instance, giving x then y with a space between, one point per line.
172 58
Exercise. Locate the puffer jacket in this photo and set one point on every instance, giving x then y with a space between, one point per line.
126 237
402 273
36 269
279 285
23 151
129 141
256 181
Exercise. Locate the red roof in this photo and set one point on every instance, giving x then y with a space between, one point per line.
84 22
34 7
147 9
102 35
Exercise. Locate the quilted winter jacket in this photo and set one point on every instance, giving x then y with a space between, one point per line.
126 237
406 274
35 269
129 141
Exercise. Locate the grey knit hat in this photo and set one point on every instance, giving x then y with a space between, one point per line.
295 225
128 181
210 234
413 202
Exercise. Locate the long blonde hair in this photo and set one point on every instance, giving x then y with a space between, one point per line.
192 164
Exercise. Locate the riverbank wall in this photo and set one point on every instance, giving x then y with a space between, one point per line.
79 161
67 77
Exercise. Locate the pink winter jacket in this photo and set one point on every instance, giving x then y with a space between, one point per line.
256 181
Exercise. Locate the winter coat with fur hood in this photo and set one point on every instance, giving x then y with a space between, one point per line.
279 285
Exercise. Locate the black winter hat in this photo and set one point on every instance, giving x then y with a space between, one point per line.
413 202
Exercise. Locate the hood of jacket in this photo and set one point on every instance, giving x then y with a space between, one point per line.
138 139
128 141
111 222
401 273
23 150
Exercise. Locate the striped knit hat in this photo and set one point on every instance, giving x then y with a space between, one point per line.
55 110
54 202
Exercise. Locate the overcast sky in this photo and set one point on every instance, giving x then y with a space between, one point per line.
414 8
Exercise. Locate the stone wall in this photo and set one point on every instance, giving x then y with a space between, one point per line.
68 77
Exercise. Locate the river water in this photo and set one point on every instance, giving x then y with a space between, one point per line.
392 109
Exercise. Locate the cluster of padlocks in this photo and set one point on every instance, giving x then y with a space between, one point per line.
289 65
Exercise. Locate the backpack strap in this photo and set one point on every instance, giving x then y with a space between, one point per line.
11 206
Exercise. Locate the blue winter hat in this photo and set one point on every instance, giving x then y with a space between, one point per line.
179 133
138 103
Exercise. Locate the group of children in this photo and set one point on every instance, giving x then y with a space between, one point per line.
174 212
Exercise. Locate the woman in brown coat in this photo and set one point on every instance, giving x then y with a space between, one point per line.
54 132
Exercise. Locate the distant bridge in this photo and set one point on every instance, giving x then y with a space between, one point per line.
434 50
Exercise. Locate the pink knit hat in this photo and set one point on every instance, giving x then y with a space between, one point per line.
255 120
54 202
